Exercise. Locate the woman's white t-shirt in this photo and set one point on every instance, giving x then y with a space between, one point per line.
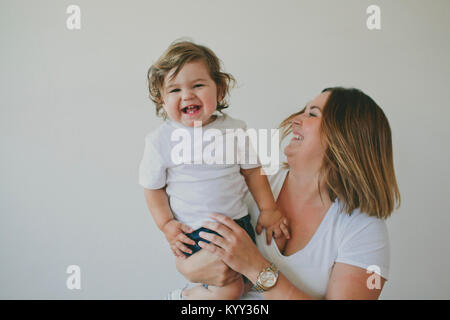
355 239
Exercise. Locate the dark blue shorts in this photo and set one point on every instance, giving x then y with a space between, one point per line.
243 222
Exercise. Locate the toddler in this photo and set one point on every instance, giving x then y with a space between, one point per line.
189 90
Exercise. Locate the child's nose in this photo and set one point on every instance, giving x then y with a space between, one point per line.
188 94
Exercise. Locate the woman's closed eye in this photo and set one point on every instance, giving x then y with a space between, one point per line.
314 111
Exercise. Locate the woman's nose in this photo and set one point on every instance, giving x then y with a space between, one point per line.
297 121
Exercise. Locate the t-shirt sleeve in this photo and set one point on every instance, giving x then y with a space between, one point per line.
152 170
365 244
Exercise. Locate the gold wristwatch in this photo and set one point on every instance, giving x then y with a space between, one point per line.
267 278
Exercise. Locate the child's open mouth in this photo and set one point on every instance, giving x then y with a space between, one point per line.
191 110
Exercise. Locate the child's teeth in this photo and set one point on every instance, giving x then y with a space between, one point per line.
191 109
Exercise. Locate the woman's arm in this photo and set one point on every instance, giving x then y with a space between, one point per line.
351 282
238 251
283 289
205 267
346 282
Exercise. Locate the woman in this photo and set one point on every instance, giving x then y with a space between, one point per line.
336 192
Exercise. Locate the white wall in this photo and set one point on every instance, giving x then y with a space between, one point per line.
74 113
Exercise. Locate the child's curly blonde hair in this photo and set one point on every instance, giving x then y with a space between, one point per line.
176 56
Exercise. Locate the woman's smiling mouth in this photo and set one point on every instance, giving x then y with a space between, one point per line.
297 136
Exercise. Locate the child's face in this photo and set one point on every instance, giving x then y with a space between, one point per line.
191 95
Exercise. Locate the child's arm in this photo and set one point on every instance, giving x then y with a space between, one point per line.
270 216
158 204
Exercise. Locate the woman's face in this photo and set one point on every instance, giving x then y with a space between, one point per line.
306 147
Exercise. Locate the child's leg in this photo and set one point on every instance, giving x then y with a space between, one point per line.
231 291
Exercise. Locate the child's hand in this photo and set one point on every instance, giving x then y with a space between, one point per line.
175 235
274 223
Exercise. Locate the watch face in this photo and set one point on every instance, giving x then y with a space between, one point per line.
268 279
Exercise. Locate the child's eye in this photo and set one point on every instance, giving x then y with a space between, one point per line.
198 85
174 90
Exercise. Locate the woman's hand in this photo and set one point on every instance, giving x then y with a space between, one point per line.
234 246
205 267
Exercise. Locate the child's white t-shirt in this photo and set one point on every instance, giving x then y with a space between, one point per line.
356 239
196 190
